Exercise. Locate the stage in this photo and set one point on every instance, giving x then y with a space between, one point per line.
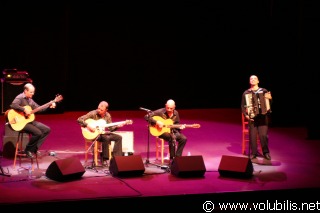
292 174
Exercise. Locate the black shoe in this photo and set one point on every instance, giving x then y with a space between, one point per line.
29 154
253 157
105 163
267 156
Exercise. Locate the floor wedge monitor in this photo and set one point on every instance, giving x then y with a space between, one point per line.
188 166
65 169
131 165
234 166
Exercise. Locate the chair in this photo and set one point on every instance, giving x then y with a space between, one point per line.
160 149
96 150
246 137
19 152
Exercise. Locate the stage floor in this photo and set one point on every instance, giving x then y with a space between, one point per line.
294 167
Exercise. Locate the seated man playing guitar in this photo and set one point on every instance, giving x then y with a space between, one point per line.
21 117
97 125
172 134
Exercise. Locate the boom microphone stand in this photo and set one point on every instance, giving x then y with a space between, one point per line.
148 147
93 165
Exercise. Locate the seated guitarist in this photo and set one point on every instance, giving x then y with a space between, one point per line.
24 104
174 134
101 114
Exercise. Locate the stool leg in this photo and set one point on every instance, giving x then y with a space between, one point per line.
157 148
18 147
95 153
85 151
162 151
243 144
15 154
37 162
110 151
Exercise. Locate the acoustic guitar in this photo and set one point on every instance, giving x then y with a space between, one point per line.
18 120
100 125
168 124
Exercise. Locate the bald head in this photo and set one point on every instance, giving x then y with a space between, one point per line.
171 104
104 104
29 90
29 86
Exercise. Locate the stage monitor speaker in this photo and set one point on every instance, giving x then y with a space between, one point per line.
65 170
9 91
188 166
234 166
126 166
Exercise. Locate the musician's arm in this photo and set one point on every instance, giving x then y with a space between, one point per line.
176 120
82 119
16 105
109 120
268 95
149 117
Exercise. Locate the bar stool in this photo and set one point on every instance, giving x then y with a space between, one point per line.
160 149
96 150
19 152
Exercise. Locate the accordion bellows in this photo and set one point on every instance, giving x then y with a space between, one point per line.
257 104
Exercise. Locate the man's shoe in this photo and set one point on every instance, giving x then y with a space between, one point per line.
253 157
267 156
29 154
38 153
105 163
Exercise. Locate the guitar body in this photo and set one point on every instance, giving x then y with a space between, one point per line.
156 131
18 120
168 124
100 126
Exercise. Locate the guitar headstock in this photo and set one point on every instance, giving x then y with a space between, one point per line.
195 125
58 98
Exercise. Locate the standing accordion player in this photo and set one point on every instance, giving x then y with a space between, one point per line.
256 102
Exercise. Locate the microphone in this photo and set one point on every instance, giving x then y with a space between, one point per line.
148 110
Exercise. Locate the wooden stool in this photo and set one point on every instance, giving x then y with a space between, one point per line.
96 150
160 148
19 152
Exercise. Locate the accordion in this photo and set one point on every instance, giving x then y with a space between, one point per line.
257 104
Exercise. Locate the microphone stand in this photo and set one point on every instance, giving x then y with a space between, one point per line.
148 147
93 164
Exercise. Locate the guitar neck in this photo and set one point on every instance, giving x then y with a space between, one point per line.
113 124
42 107
177 125
186 125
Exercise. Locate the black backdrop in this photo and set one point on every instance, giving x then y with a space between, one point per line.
199 53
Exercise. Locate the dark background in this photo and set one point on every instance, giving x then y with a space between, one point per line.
139 54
